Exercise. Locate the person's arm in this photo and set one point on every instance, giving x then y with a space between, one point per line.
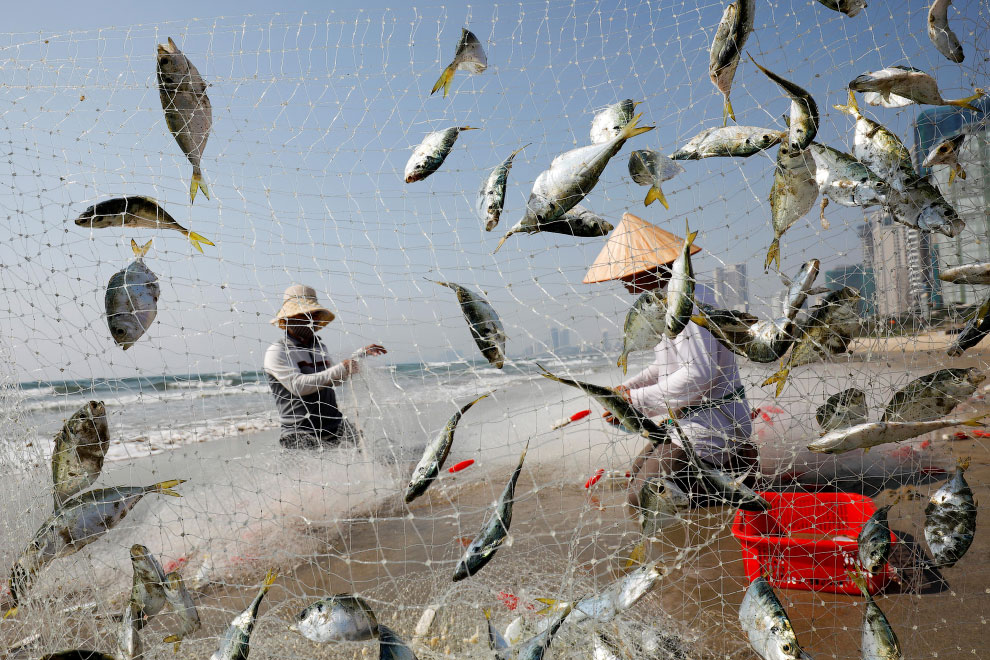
690 372
279 364
647 376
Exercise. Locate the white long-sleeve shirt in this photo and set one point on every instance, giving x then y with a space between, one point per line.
690 369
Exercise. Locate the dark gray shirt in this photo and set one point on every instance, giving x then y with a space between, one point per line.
302 377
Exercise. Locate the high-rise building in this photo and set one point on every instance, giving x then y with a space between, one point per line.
902 268
565 338
731 287
554 338
859 277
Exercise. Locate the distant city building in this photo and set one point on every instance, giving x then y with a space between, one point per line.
902 268
731 287
565 338
859 277
554 339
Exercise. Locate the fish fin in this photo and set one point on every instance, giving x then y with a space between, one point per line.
654 195
690 235
12 612
773 254
963 463
270 577
727 112
172 44
960 172
469 128
196 239
866 450
967 102
821 215
172 638
636 555
465 407
500 242
700 320
140 250
632 130
975 421
195 184
443 81
780 378
851 107
859 581
549 604
623 362
165 487
952 175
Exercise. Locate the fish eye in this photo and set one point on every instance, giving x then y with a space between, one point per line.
786 648
163 60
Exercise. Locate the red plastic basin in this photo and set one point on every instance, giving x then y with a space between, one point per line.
807 541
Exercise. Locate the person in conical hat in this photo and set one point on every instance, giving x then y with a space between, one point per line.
302 376
692 374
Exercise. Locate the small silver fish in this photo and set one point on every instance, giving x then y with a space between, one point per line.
922 207
680 289
945 40
933 395
973 332
491 197
950 519
128 639
766 624
431 152
795 190
131 299
236 641
436 454
642 329
845 180
946 152
494 532
147 592
978 273
738 141
848 7
391 646
804 120
80 448
871 434
879 149
660 500
730 37
651 168
895 83
879 641
339 618
188 113
536 647
180 601
135 211
469 56
608 123
485 325
496 642
874 541
578 221
842 410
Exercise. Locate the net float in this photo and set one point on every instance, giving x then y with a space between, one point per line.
460 466
573 418
595 478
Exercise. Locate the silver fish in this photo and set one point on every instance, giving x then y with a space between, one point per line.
933 395
845 180
578 221
81 520
80 448
180 601
573 175
660 500
730 37
871 434
131 299
874 541
188 113
842 410
494 532
967 274
804 120
431 152
879 641
879 149
128 639
945 40
147 592
607 648
848 7
136 212
608 123
339 618
643 327
651 168
904 82
491 197
469 56
536 647
680 289
739 141
496 642
946 152
766 624
922 207
794 192
973 332
236 641
486 328
950 519
435 455
391 646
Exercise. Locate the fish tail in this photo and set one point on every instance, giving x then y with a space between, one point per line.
623 362
443 81
975 421
689 235
700 320
632 130
773 254
465 407
196 239
487 612
165 487
514 153
469 128
963 463
446 284
967 102
780 378
270 577
547 374
500 242
851 107
656 195
636 555
197 183
727 112
858 579
173 639
549 605
140 250
11 613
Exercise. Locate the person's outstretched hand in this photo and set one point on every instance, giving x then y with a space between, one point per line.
371 350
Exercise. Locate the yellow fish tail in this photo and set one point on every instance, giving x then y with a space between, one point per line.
773 254
443 81
197 183
656 195
165 487
196 239
780 378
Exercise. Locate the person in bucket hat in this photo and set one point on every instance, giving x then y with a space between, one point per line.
692 374
302 375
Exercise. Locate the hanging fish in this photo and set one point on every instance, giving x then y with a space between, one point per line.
680 289
804 120
339 618
871 434
131 300
879 149
128 639
436 454
494 532
730 37
135 211
978 273
650 168
879 641
188 113
608 123
922 207
873 541
945 40
491 197
738 141
842 410
766 624
469 56
147 590
848 7
80 448
794 192
485 326
496 642
933 395
578 221
391 646
973 332
536 647
660 500
180 601
236 641
642 329
846 181
947 153
431 152
950 519
896 83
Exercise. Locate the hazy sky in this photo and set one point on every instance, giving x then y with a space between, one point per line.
316 112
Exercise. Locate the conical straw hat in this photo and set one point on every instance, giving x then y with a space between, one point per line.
300 299
634 246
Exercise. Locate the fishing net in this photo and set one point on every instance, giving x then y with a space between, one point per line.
314 117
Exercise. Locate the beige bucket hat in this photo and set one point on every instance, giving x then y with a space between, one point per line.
300 299
635 246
